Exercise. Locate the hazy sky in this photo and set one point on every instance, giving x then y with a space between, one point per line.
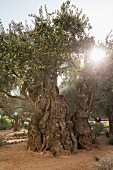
100 12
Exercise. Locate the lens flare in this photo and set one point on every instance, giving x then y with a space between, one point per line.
97 54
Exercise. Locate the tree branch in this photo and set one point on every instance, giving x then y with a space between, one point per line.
14 97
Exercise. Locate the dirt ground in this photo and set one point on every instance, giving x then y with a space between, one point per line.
16 157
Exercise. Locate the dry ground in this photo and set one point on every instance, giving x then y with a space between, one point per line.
16 157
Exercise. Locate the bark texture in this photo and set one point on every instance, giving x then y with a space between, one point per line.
109 112
85 95
51 128
16 123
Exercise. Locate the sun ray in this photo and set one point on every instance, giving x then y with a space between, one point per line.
97 54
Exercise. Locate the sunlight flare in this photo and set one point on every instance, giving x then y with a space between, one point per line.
97 54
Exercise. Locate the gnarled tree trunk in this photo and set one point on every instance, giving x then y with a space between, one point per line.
85 95
51 128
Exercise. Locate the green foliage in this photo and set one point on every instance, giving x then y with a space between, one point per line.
5 123
25 126
107 134
2 142
69 93
47 45
4 126
106 125
104 96
30 57
110 142
106 129
105 164
97 128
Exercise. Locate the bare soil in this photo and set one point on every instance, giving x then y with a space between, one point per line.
16 157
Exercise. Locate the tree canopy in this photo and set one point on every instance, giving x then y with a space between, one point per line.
30 56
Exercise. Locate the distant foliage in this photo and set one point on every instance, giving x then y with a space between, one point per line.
26 125
110 142
69 93
5 123
97 128
2 142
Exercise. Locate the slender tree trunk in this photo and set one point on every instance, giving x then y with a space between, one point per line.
111 125
110 117
16 123
51 129
21 123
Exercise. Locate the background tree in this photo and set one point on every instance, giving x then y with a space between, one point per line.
10 107
104 97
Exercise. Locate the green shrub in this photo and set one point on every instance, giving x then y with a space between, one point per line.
5 123
105 164
106 129
97 128
2 142
3 126
106 124
110 142
107 134
25 125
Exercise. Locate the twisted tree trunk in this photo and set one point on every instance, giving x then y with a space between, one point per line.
85 95
51 128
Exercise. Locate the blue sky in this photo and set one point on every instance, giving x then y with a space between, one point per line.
100 12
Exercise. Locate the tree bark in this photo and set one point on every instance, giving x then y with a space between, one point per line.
85 95
109 112
16 123
51 129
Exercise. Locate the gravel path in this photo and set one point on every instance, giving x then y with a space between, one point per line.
16 157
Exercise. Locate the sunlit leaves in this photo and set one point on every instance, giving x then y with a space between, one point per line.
28 55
